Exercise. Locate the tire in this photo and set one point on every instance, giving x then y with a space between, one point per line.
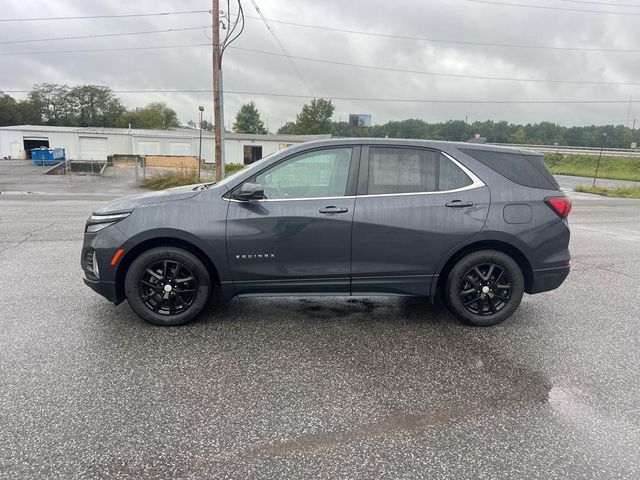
168 286
484 288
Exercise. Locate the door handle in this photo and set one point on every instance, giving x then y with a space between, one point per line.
458 204
333 210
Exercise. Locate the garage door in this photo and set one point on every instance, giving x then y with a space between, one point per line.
148 148
93 148
179 148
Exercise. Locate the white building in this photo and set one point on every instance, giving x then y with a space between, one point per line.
93 143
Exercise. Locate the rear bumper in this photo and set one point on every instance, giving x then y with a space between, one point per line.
548 279
106 289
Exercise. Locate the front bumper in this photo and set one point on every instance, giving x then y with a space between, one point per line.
548 279
105 243
106 289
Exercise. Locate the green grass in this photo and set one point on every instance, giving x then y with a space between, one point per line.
229 168
618 168
185 176
173 178
619 191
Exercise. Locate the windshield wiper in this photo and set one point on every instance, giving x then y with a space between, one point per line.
205 186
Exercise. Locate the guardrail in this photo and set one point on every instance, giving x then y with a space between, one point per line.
609 152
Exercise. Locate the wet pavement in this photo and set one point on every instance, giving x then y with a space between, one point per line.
325 387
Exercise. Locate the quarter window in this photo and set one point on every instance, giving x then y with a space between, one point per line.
321 173
450 176
408 170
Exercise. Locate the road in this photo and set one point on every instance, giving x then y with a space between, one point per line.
316 387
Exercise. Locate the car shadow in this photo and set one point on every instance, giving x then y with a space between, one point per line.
384 309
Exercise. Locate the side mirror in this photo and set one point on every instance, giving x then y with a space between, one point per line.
249 191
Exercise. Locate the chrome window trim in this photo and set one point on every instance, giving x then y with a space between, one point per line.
288 199
476 183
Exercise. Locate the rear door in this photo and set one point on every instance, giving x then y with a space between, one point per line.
413 206
297 239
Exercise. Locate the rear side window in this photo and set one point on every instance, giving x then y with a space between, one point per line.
527 170
410 170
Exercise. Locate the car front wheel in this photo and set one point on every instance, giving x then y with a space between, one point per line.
167 286
484 288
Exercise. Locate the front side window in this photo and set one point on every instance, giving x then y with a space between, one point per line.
410 170
321 173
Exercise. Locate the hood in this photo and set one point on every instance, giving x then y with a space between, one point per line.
128 203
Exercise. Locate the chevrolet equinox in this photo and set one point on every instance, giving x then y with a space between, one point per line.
479 225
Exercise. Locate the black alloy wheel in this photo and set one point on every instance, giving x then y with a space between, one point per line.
484 288
168 286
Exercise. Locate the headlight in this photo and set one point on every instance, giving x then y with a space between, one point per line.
98 222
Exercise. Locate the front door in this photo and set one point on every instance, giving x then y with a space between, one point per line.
298 238
413 206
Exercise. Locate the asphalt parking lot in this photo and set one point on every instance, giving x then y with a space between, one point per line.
316 387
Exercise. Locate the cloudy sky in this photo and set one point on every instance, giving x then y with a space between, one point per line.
456 25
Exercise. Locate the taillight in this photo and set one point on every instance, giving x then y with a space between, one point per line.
560 205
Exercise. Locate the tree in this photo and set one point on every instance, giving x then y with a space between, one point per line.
288 128
248 120
29 113
154 115
52 103
82 106
93 106
9 112
21 112
453 130
315 118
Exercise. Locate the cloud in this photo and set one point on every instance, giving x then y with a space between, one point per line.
458 20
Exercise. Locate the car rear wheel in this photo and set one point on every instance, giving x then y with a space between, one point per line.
484 288
167 286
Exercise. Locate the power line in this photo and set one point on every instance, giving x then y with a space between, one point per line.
339 63
541 7
438 74
357 32
232 25
107 49
87 17
602 3
284 50
374 99
167 30
449 41
418 100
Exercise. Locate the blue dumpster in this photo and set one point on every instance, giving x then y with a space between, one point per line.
47 156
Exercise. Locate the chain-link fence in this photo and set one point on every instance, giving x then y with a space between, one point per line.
125 171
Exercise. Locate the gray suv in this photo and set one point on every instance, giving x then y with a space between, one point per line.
479 225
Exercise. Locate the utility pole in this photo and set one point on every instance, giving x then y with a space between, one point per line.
466 120
217 127
604 143
201 108
231 26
